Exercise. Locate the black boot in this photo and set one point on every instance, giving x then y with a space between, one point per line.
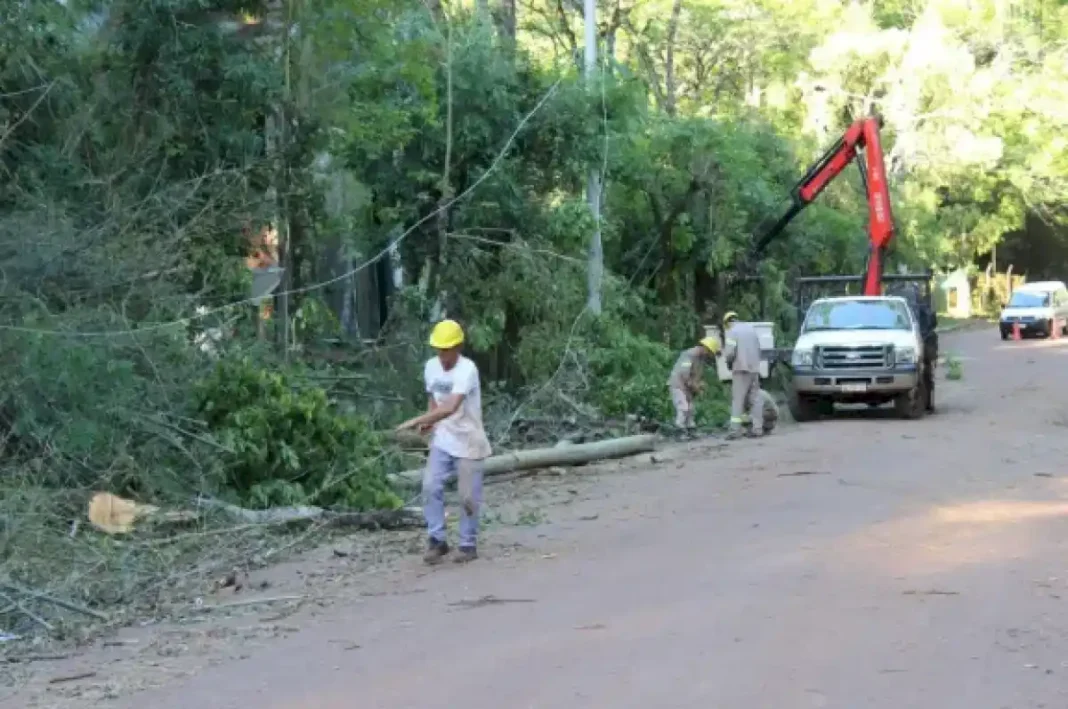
435 552
465 555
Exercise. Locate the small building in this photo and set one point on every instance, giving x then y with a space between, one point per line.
953 294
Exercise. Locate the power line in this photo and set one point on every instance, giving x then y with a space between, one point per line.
321 284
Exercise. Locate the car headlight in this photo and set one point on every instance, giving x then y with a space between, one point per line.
801 358
905 355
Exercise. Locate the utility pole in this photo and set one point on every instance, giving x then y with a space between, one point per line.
285 247
595 263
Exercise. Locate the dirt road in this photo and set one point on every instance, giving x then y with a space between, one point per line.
862 562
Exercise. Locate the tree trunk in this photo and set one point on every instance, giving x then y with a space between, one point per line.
436 259
595 258
670 90
506 22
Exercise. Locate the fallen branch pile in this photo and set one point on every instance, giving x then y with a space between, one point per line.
22 607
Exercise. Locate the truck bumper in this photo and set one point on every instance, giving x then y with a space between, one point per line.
855 383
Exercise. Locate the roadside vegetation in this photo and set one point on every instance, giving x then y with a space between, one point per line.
405 160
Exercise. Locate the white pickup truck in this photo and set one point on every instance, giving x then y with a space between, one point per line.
858 350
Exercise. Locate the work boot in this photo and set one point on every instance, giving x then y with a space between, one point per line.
435 552
676 433
734 434
754 434
464 555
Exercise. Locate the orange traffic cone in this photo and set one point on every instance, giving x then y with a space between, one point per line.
1016 331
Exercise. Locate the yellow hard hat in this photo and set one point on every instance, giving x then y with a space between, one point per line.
731 315
711 344
446 335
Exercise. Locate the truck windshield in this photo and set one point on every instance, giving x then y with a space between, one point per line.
1023 299
858 315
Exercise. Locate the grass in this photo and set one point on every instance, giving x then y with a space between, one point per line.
949 324
954 368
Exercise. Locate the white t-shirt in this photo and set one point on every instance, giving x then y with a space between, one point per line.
460 435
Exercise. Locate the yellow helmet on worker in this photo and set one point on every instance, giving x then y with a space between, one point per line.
711 344
446 335
730 317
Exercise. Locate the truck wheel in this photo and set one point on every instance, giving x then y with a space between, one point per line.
913 403
801 407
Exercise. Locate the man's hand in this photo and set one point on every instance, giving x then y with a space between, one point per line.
424 428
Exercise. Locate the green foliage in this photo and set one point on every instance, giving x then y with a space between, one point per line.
954 368
629 377
285 444
628 371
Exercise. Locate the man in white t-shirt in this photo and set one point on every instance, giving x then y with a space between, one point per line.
459 444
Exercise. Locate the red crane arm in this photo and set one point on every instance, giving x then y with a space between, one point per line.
862 135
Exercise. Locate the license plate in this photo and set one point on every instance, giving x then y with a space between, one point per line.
854 388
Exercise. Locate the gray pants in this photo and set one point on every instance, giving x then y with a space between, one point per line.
747 406
440 467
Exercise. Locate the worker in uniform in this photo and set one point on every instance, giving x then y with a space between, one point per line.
687 381
771 411
459 445
928 330
742 356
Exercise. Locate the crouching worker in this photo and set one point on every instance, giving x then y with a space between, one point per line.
771 411
687 381
459 445
742 356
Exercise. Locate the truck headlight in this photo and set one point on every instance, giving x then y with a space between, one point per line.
905 355
801 358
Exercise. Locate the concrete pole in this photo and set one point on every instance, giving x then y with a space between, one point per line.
595 263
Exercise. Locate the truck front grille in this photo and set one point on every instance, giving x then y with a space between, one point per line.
856 357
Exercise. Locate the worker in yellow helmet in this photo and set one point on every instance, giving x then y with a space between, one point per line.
742 356
687 381
459 445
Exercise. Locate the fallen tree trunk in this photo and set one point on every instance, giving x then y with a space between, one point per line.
402 518
548 457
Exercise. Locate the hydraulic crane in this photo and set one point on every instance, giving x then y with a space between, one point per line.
861 143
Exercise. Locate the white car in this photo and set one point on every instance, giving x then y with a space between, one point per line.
1040 308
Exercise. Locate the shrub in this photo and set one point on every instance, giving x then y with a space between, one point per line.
288 445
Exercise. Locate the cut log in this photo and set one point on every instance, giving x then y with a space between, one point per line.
548 457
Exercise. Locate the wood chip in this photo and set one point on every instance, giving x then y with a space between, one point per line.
252 602
72 678
489 601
